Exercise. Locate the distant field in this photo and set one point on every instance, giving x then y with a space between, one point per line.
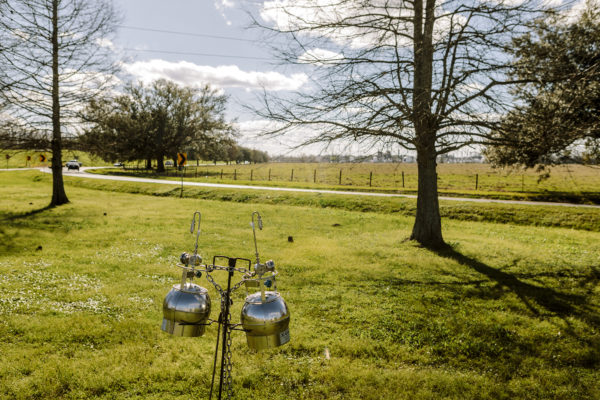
507 312
571 183
18 159
567 217
566 183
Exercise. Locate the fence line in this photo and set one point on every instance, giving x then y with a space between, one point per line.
347 177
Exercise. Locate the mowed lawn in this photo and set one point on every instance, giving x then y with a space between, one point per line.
507 312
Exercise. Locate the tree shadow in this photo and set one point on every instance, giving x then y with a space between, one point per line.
537 298
8 216
8 219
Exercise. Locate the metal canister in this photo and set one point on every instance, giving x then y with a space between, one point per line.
185 310
265 321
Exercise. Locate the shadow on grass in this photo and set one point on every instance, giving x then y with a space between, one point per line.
7 239
6 217
536 297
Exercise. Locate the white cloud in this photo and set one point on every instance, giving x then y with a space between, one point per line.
470 87
320 57
307 15
252 134
190 74
107 43
551 3
222 6
574 13
255 126
298 14
20 34
508 3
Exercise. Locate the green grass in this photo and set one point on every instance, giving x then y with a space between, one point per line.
18 158
507 312
566 183
578 218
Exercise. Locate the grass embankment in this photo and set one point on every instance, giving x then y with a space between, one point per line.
566 183
18 159
577 218
507 312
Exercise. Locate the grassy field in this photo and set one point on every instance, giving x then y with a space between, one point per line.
570 183
18 159
569 217
506 312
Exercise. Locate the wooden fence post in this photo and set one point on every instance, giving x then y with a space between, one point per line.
340 176
370 178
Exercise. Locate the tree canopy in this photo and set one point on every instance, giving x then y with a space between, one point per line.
156 121
559 105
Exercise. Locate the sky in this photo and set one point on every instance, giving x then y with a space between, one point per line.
196 41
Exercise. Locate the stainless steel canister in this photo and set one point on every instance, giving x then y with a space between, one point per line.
184 309
265 322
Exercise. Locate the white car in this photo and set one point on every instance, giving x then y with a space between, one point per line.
73 164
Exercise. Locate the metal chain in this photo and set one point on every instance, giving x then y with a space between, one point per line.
216 285
247 275
228 363
227 373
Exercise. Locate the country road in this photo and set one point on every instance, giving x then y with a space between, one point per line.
83 174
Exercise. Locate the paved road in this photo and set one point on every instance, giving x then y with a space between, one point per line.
83 174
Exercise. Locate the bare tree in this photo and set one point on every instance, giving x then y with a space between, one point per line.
430 76
55 58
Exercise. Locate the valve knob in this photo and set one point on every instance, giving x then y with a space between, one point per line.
268 283
184 258
195 259
270 265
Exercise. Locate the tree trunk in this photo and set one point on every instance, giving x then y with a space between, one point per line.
427 229
58 188
149 163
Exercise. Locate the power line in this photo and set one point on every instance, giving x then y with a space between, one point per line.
137 28
196 54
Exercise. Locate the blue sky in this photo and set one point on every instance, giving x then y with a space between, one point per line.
239 65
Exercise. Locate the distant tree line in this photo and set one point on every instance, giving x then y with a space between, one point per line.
229 152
